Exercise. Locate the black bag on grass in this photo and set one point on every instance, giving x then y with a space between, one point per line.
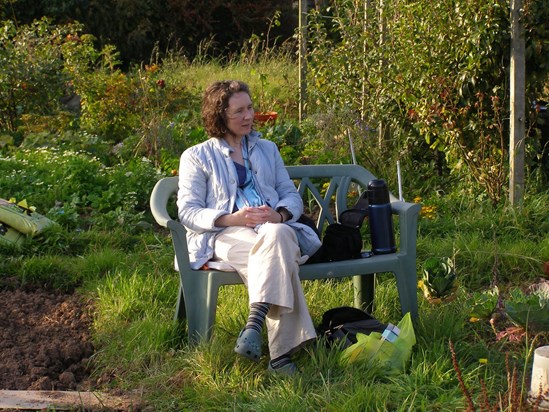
340 326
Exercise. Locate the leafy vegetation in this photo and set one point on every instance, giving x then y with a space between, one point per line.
438 277
529 309
429 81
91 167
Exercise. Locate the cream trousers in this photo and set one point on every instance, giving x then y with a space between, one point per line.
268 263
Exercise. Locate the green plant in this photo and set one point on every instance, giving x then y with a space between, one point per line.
287 136
529 310
430 79
76 189
439 276
51 272
161 106
513 398
483 303
262 103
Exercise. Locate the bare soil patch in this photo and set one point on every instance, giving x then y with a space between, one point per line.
45 341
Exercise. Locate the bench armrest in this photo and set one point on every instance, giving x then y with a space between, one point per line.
160 198
407 219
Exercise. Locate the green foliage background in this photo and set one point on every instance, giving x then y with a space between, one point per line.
137 27
431 79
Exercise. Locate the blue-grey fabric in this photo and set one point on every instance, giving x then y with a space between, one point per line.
246 194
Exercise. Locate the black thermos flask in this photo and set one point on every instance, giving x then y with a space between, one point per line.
380 218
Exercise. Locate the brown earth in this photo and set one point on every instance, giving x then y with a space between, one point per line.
45 341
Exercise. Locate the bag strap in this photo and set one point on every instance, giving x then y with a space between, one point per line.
355 216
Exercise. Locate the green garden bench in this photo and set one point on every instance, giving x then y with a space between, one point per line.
325 190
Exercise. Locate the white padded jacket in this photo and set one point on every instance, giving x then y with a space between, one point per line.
207 189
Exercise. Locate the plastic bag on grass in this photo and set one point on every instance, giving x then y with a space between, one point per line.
391 349
10 236
23 218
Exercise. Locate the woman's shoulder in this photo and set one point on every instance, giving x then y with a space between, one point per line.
261 141
203 147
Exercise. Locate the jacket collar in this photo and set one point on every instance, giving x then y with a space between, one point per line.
252 138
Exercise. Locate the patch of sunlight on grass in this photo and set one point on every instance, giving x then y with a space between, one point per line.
50 271
211 374
127 296
361 396
232 310
102 262
135 349
322 295
277 87
440 321
386 300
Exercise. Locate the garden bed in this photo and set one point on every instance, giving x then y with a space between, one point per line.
45 341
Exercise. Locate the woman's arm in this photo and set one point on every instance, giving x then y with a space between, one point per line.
290 203
193 211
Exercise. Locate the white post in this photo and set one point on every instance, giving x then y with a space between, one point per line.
302 22
539 386
399 178
517 106
352 146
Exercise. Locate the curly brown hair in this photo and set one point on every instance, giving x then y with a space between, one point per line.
215 102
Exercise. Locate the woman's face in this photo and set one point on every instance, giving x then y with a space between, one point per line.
240 114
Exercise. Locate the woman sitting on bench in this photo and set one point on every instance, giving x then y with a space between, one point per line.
240 207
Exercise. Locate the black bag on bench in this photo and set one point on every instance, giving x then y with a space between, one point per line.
343 240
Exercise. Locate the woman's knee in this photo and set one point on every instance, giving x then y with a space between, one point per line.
280 232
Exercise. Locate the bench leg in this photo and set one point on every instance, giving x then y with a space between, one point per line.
199 296
364 286
407 291
180 312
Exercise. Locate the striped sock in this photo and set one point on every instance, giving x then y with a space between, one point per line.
281 361
258 311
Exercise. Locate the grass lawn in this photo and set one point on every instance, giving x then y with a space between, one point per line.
456 363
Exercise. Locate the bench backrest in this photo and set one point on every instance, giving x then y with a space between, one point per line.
327 190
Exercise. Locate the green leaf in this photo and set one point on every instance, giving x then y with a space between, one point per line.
439 275
528 310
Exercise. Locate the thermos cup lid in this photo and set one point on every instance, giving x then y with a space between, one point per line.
378 194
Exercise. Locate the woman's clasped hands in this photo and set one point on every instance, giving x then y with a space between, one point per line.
257 215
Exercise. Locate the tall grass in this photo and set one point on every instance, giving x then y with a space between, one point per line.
490 244
211 377
270 74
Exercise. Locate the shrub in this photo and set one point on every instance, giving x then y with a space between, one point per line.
32 81
429 78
